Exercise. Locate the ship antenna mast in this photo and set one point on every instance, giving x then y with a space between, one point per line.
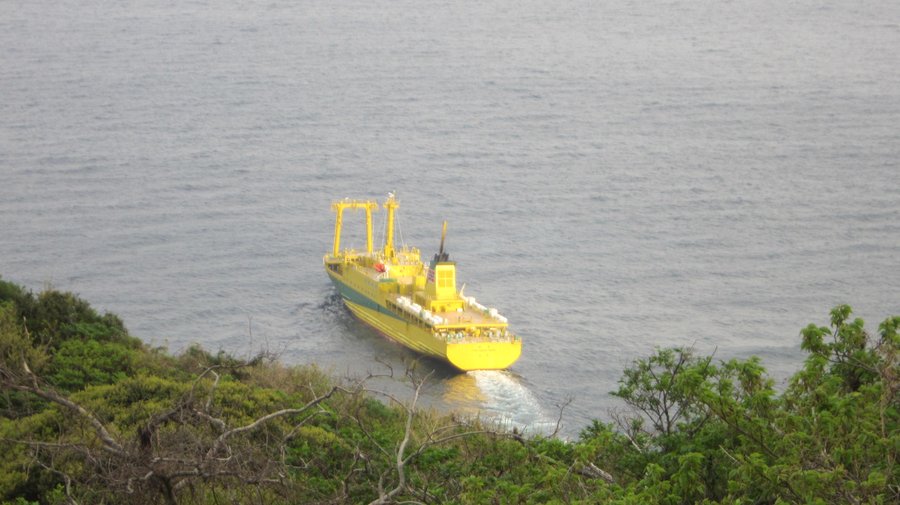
442 256
391 205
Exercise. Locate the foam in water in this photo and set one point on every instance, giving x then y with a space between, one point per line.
501 396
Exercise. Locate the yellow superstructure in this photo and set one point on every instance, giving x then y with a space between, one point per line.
416 304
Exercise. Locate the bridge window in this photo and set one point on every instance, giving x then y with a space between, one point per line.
445 278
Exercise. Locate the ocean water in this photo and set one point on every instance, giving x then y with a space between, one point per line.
616 175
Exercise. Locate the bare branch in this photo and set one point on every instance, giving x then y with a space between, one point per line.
66 478
562 408
217 445
593 471
400 460
109 443
212 391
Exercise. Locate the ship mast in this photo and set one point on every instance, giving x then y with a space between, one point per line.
441 255
339 207
390 205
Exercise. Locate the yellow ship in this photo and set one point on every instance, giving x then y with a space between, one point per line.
416 304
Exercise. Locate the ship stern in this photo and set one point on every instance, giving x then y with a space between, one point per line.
484 356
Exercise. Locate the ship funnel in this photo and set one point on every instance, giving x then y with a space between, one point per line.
441 280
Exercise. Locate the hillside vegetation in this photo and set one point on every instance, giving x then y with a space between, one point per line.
91 415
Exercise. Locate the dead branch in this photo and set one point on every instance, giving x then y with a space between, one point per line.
68 480
593 471
168 463
268 417
562 408
401 461
109 443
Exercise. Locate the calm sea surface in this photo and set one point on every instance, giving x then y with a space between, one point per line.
616 175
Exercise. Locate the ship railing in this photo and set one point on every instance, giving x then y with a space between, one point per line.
487 311
466 337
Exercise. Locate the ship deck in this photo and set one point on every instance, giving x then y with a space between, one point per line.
468 317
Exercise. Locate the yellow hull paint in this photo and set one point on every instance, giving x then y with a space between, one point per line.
400 331
465 356
418 305
484 356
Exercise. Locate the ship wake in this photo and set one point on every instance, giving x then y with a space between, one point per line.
503 397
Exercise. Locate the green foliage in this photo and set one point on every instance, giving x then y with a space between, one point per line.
19 501
79 363
831 437
840 417
660 388
62 338
15 351
22 300
15 346
53 317
696 431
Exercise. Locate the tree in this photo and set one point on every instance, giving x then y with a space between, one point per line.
722 433
90 415
172 449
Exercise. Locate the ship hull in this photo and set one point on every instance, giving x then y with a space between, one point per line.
374 312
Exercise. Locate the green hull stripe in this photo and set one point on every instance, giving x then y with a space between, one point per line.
358 298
